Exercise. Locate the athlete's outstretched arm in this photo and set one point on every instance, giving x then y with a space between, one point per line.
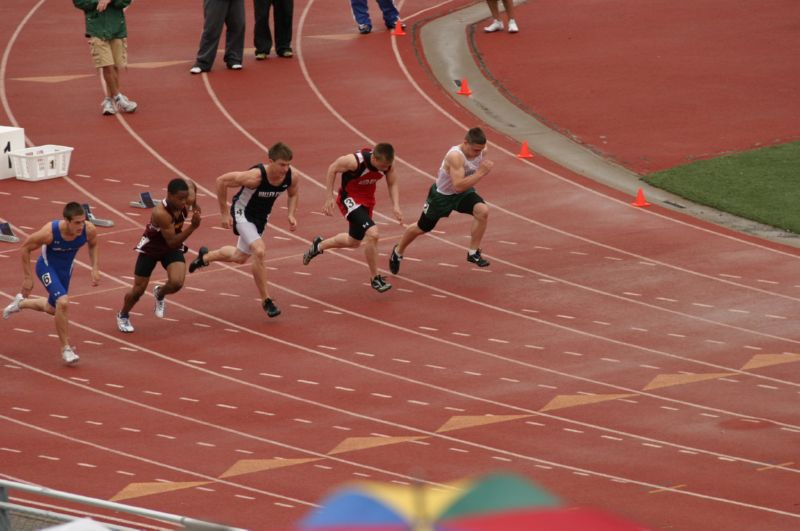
91 246
43 236
292 198
340 165
234 179
394 194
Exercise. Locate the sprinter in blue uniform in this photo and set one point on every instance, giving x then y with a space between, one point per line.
59 241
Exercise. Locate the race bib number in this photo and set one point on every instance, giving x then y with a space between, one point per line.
46 279
142 243
350 205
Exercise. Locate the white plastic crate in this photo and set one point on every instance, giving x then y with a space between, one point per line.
41 162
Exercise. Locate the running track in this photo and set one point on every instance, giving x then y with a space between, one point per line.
623 358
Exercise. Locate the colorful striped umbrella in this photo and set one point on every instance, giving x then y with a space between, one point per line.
496 502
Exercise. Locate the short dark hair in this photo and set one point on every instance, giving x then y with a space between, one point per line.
73 209
475 136
384 151
177 185
280 151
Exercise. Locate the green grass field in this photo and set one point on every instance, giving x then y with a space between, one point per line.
762 185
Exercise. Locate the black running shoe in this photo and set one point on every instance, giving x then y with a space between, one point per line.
379 283
271 309
198 262
477 259
394 261
313 251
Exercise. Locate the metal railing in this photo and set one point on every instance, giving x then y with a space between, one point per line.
9 508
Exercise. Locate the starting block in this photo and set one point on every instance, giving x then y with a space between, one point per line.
98 222
145 201
7 233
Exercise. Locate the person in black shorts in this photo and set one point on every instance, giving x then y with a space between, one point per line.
162 242
463 167
356 200
249 212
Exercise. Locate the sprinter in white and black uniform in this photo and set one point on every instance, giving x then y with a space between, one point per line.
249 212
59 241
463 167
162 243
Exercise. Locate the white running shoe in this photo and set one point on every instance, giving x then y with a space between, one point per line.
69 355
496 25
13 307
161 305
512 26
108 107
124 324
124 104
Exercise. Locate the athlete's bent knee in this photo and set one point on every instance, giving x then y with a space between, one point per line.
372 234
426 224
481 211
174 286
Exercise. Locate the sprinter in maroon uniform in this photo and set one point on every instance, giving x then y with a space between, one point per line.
163 242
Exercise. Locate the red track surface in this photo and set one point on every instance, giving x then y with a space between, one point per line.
631 360
657 84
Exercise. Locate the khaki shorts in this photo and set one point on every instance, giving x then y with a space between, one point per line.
108 53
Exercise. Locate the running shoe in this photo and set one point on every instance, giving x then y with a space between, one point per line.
271 309
69 355
124 104
496 25
13 307
161 304
380 285
477 259
124 324
394 261
512 26
363 29
198 262
108 107
313 251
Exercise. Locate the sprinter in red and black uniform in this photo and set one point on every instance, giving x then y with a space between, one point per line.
356 199
162 242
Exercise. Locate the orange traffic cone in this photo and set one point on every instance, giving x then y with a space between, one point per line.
399 29
524 152
640 201
464 90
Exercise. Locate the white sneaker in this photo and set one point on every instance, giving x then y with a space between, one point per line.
496 25
512 26
124 324
108 107
195 70
161 305
124 104
70 358
13 307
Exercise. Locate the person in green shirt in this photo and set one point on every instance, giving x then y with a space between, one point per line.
108 43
